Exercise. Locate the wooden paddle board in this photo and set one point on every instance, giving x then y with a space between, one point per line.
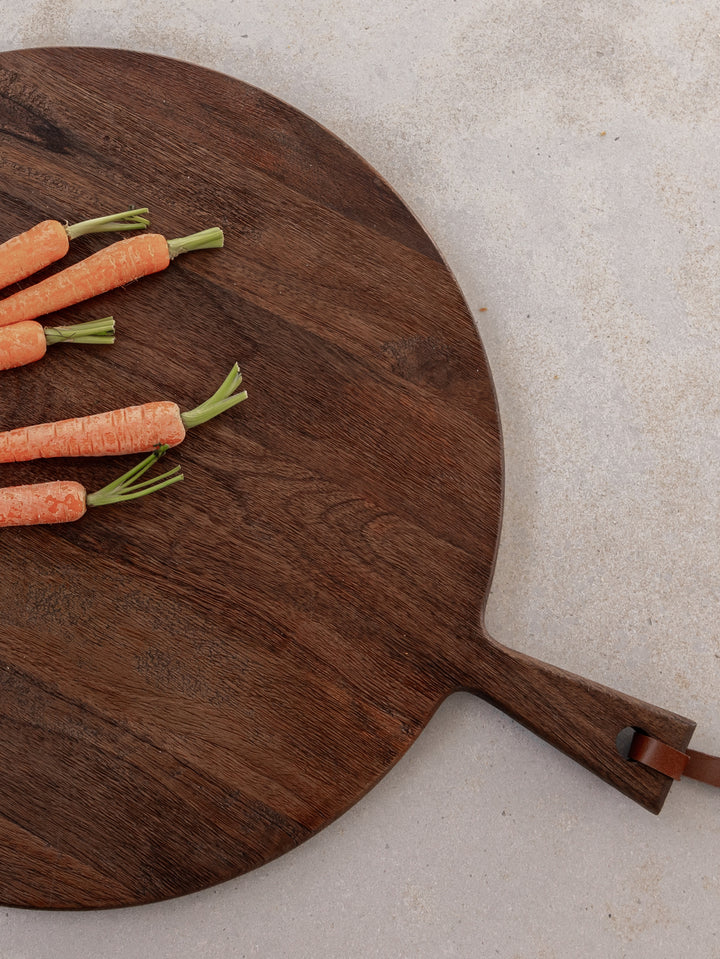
192 684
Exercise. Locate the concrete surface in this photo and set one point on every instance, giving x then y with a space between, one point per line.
564 157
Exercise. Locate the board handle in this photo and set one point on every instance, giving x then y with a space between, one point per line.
578 716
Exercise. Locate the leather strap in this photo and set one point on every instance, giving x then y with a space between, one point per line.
671 762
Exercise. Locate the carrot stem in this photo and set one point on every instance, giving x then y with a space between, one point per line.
94 332
129 220
138 470
126 487
204 240
220 401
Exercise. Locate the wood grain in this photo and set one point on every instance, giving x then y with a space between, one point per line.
193 684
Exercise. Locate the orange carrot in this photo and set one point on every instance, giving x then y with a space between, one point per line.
26 342
134 429
63 501
49 241
114 266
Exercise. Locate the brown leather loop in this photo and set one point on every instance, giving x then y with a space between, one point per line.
704 768
671 762
651 752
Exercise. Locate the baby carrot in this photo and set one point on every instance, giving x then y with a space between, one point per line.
134 429
113 266
49 241
26 342
63 501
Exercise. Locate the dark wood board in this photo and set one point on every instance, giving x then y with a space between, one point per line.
195 683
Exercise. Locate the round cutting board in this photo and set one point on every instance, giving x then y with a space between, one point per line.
196 682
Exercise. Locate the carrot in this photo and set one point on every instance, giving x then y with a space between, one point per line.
134 429
63 501
114 266
26 342
49 241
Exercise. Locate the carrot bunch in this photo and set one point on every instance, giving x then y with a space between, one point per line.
31 251
153 426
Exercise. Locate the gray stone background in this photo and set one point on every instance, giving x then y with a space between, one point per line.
564 157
